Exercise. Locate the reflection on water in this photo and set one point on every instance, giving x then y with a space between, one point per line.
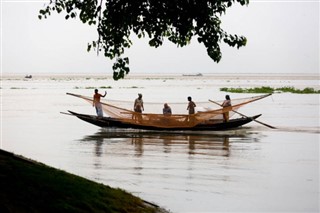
155 164
166 153
195 143
170 146
208 172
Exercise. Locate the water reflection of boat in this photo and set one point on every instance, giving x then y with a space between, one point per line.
192 144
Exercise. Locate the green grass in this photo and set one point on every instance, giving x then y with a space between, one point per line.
27 186
306 90
105 87
160 78
132 87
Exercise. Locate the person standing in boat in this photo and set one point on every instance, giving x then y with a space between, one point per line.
138 108
138 104
166 109
96 102
191 109
225 104
191 106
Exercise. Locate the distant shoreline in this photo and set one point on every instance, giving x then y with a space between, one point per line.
229 76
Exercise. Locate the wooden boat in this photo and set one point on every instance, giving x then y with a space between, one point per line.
211 125
208 119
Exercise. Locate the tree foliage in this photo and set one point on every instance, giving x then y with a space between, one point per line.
176 20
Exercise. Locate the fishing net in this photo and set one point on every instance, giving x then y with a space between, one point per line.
204 112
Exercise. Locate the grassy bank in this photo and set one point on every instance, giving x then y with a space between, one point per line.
307 90
28 186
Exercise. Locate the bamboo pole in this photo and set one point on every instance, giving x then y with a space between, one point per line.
272 127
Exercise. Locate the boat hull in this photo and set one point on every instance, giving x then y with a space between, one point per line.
107 122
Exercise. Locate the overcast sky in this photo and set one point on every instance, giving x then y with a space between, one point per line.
283 37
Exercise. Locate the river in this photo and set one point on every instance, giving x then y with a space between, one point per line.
254 168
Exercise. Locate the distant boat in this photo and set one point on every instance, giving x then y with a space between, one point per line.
28 76
198 74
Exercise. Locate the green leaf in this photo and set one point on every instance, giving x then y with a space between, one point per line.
89 47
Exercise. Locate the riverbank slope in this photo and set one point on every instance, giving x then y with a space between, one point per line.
29 186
